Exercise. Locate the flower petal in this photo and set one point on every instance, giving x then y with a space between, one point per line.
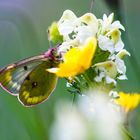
128 101
110 67
74 60
105 43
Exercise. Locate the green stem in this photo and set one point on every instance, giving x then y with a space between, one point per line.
90 83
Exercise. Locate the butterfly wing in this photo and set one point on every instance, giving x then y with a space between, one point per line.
12 76
38 86
29 80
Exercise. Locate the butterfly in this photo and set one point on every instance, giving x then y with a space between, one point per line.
29 80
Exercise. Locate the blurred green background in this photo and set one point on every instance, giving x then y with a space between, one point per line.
23 25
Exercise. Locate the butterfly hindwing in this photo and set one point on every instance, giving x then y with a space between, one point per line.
38 85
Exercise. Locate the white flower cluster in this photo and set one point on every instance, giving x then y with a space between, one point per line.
88 118
75 31
109 39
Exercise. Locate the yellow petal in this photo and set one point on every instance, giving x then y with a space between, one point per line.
115 35
76 60
128 101
123 53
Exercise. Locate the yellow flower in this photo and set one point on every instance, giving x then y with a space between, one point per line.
76 60
129 101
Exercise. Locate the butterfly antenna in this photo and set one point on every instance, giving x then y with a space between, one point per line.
91 5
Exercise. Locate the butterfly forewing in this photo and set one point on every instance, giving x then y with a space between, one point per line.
38 86
12 76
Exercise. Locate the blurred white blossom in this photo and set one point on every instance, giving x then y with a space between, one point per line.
92 118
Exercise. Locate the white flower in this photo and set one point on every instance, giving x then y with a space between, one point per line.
115 36
112 57
122 53
99 77
91 22
106 44
79 28
87 120
108 25
116 25
109 67
110 80
106 22
67 15
66 28
66 23
106 70
113 94
69 124
65 46
83 32
119 45
122 77
86 105
103 74
121 68
120 65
